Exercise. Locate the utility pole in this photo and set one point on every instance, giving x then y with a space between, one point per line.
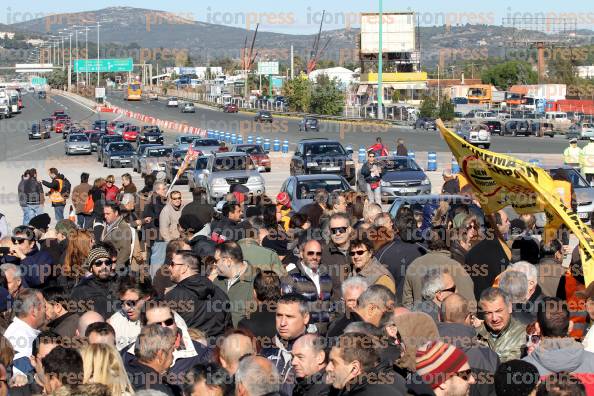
77 54
292 63
87 81
69 60
380 65
98 54
438 86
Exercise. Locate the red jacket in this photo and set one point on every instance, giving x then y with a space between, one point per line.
111 193
379 149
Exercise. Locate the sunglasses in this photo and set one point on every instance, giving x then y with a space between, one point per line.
18 241
472 227
129 303
451 289
317 254
176 198
172 264
464 375
99 263
357 252
533 339
338 230
166 322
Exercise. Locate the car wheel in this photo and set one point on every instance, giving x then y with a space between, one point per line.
268 170
104 164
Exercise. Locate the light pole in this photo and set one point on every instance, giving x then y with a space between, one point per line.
98 75
77 54
380 65
87 55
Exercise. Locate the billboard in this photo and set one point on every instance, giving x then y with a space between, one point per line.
398 31
268 68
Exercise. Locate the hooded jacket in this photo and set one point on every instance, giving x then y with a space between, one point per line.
554 355
206 307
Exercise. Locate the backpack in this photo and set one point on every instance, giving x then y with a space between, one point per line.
89 205
66 187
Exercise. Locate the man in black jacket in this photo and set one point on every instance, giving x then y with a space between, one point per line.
335 260
97 292
309 363
197 300
230 227
30 195
61 320
262 323
152 211
199 206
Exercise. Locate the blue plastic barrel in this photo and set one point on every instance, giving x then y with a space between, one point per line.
250 139
210 134
454 166
432 161
535 162
266 144
228 137
216 135
276 145
233 138
285 146
258 139
362 154
239 139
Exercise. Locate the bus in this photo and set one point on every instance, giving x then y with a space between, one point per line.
134 92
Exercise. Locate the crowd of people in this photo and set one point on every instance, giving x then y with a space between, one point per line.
138 292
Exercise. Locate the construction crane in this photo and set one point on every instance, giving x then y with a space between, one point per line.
317 52
248 58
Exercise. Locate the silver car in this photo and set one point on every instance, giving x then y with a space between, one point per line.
227 169
301 189
154 160
77 143
206 145
183 142
188 107
584 193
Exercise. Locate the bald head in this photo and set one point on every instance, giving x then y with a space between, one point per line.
86 319
233 348
256 376
454 309
401 311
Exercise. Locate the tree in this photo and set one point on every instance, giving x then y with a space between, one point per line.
298 92
327 97
509 73
58 79
446 110
428 107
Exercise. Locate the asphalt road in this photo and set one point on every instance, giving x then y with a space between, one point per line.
353 134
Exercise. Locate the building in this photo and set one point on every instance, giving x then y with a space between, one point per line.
345 76
585 71
7 35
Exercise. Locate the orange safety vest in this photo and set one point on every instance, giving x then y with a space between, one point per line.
56 195
577 306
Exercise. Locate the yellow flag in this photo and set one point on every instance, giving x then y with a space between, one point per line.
500 180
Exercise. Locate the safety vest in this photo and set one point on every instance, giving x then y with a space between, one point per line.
56 195
571 155
577 306
587 159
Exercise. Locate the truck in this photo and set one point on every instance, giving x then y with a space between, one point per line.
480 94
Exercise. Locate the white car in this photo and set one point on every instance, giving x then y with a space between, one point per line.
475 134
172 102
152 96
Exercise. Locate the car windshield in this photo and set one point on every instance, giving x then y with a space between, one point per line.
173 99
399 164
78 138
159 152
120 147
255 149
306 188
112 139
151 129
324 149
186 139
179 154
206 142
201 163
586 125
233 163
570 175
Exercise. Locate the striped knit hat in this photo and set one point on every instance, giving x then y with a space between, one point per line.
438 361
96 254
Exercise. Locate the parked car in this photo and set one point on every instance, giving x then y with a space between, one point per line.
172 102
301 188
256 153
57 113
542 128
263 116
104 141
309 124
37 132
584 193
111 127
230 108
518 128
77 143
495 127
205 145
475 134
153 160
317 156
183 142
139 153
41 95
580 131
61 124
150 134
130 133
47 124
403 176
425 123
94 138
118 154
172 164
227 169
188 107
100 125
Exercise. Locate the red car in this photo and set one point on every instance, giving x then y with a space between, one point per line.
230 108
256 153
57 114
130 133
111 127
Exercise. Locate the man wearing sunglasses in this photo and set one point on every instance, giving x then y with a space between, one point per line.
367 266
335 255
36 265
97 291
312 282
438 284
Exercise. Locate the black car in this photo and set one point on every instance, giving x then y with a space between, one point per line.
47 124
150 134
100 125
104 141
41 95
37 132
425 123
263 116
118 154
94 138
518 127
494 127
309 124
322 156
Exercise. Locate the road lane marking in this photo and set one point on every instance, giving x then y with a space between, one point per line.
33 151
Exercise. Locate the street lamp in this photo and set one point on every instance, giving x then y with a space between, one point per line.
98 47
380 65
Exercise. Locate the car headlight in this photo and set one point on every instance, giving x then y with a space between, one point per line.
219 182
255 180
312 164
426 182
384 183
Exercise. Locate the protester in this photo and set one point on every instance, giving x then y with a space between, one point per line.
128 186
335 254
102 364
309 363
262 320
119 233
516 378
206 379
36 265
257 376
59 316
233 348
58 193
62 368
80 197
367 266
372 173
100 333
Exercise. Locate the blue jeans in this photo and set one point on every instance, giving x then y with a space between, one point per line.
84 221
59 212
157 257
31 211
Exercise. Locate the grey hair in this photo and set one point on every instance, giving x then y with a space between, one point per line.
11 267
382 219
152 339
316 342
127 198
256 379
432 283
321 196
27 300
364 328
341 215
490 294
371 210
158 184
515 285
375 294
354 282
527 269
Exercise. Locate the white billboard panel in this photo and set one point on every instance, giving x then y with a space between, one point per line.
398 31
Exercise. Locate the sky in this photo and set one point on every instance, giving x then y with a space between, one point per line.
303 16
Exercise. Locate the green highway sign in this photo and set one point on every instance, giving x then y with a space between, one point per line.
103 66
38 81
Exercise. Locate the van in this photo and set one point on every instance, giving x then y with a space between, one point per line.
559 120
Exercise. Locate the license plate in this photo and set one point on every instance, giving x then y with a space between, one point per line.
584 215
331 168
408 189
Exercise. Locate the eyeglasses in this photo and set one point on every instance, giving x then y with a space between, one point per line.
338 230
317 254
357 252
464 375
532 338
108 182
176 198
129 303
19 240
166 322
172 264
451 289
99 263
472 227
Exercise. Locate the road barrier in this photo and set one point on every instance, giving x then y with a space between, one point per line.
285 146
455 168
276 145
266 144
239 139
362 154
432 161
